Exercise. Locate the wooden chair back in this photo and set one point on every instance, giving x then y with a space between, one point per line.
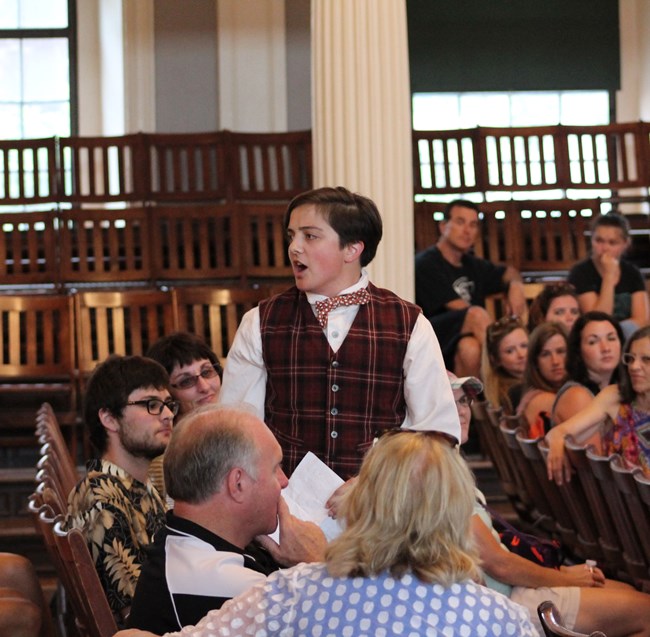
551 621
213 313
626 535
576 503
196 242
595 498
105 245
532 455
36 357
85 589
264 245
48 431
28 248
28 172
121 322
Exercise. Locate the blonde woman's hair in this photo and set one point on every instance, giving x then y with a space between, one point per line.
409 511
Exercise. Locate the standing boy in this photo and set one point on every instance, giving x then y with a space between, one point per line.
334 359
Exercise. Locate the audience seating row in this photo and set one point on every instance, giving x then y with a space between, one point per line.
539 238
216 167
174 243
603 513
49 343
82 607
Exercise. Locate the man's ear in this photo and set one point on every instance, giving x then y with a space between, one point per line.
236 484
353 251
108 420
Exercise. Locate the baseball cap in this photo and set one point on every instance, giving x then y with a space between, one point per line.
471 385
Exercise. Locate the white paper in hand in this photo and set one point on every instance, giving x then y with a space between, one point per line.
310 486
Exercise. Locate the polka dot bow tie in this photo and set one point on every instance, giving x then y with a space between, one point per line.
323 308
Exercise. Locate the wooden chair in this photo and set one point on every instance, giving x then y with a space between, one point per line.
580 512
28 248
595 499
95 617
551 621
36 361
105 245
48 432
264 246
564 525
213 313
627 537
122 322
196 242
624 479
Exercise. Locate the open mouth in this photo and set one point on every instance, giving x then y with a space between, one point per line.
299 267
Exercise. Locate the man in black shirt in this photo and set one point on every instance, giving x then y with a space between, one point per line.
451 285
223 468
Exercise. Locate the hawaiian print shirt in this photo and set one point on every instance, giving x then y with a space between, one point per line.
119 516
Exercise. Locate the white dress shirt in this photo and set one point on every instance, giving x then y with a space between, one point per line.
429 400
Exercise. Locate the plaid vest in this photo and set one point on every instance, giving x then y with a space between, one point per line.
333 403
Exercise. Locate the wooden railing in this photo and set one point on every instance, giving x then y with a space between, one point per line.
173 208
616 156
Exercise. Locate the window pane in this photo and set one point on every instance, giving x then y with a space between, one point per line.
43 14
46 119
8 14
435 111
10 127
10 71
484 109
46 81
535 109
584 108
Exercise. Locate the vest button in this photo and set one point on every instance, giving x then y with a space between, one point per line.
334 411
334 434
335 364
335 387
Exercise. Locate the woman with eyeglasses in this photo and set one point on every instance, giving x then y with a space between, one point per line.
558 303
503 360
195 379
544 375
593 357
625 409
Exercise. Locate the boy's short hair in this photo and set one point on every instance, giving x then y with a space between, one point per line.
462 203
612 220
182 348
109 388
352 216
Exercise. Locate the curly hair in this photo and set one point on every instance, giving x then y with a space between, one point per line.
409 511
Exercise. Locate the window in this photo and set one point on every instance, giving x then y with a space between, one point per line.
453 111
37 62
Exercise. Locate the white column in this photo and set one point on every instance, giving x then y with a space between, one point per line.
139 66
362 119
252 65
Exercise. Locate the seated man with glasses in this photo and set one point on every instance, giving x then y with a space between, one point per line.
129 413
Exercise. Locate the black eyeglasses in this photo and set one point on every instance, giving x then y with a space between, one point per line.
186 382
155 406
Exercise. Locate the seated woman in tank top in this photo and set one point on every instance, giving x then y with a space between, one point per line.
544 375
593 355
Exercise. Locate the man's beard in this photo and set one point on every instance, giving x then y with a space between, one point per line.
141 448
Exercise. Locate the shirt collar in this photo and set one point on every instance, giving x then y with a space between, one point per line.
359 285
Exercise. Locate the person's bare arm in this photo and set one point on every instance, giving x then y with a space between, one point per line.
580 426
512 569
516 295
640 311
572 401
